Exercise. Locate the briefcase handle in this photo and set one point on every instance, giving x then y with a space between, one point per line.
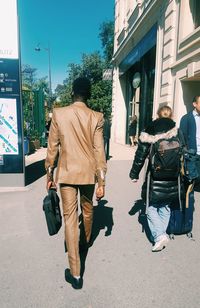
53 194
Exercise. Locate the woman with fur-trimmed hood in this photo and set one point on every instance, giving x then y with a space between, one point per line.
157 194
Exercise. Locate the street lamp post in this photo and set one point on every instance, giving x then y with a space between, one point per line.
49 63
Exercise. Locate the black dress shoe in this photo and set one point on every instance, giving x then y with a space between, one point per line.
76 283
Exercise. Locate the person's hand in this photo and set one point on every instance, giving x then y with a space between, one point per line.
100 191
133 176
134 180
51 184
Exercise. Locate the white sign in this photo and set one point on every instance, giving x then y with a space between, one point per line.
8 29
8 127
136 80
108 74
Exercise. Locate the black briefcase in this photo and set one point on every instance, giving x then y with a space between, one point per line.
52 212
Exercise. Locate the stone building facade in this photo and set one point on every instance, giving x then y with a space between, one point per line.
156 60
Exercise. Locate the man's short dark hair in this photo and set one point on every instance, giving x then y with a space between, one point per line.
195 99
82 88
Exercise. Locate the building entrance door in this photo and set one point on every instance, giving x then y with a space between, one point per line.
139 98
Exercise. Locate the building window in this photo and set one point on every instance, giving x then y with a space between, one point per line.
189 17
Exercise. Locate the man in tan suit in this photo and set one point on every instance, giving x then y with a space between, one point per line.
76 143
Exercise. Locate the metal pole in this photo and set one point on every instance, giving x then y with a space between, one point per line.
49 62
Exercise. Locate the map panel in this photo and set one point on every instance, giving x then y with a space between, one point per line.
8 127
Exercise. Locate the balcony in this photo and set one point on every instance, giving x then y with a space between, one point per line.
134 17
121 37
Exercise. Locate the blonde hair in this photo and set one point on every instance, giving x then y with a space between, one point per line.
164 112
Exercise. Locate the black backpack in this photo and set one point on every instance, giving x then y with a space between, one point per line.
165 158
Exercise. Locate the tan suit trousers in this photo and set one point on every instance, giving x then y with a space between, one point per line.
69 195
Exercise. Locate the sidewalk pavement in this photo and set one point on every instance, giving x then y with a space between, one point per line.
121 271
121 151
117 152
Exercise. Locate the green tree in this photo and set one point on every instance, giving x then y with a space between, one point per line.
63 93
106 36
92 66
42 83
28 76
102 97
74 71
30 85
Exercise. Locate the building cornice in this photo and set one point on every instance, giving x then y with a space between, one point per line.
135 28
191 40
185 59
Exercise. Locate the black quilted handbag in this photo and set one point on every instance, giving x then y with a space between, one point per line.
52 212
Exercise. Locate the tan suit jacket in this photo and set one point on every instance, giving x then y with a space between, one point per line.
75 138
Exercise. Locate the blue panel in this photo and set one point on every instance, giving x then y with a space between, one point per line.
11 147
144 45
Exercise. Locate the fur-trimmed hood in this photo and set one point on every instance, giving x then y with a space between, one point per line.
148 138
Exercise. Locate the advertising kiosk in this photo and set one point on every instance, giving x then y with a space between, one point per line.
11 133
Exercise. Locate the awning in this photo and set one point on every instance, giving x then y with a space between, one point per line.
144 45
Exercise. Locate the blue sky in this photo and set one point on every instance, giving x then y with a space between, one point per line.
71 27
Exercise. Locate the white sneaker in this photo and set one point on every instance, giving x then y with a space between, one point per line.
161 243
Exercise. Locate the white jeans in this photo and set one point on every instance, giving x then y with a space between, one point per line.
158 219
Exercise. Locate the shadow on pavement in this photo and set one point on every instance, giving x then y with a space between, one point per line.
34 171
139 207
102 219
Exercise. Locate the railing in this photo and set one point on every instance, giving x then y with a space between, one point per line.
134 16
121 37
